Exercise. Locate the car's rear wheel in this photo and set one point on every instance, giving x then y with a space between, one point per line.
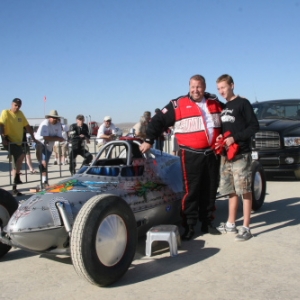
8 205
258 185
104 238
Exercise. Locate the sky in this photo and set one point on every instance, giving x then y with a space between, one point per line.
123 57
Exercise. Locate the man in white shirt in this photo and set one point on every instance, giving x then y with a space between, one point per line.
106 132
48 133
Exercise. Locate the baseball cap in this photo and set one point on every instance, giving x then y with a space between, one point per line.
80 117
18 101
107 118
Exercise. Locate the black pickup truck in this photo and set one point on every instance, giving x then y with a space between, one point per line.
277 144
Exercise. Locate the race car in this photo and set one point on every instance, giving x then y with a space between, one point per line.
97 215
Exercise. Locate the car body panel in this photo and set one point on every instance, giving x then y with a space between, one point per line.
152 186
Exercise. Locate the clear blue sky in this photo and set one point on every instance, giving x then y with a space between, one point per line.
122 57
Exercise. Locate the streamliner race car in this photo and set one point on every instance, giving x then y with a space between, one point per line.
97 215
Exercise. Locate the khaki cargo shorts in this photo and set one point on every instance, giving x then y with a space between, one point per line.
236 176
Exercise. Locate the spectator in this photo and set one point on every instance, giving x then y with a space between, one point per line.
27 153
196 119
238 119
79 136
60 149
140 127
174 143
48 133
12 122
106 132
160 141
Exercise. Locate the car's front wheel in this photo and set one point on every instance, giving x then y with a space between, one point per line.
8 205
104 238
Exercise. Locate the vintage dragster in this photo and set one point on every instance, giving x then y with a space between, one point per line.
97 215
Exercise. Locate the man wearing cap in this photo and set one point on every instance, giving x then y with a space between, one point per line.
48 133
12 122
79 135
106 132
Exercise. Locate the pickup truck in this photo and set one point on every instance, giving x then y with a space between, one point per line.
277 144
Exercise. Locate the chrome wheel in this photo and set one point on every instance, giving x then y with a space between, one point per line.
111 240
257 185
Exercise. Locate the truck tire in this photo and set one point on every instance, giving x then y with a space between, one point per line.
103 240
8 205
258 185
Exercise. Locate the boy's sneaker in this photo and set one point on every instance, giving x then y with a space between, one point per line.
243 235
55 162
224 229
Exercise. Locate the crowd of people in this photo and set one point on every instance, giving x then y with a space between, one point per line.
211 138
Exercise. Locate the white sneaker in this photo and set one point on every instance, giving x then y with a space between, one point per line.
224 229
243 235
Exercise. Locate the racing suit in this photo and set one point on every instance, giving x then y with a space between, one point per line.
78 145
196 139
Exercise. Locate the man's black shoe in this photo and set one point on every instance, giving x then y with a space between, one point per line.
209 228
17 179
188 233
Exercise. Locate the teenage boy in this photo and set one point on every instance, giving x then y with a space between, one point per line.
240 121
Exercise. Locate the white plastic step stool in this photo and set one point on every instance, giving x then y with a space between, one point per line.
168 233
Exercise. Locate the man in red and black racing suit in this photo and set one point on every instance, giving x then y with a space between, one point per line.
196 121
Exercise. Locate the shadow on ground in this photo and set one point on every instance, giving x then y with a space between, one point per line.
190 253
17 254
286 212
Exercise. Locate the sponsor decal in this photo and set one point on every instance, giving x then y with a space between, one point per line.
192 124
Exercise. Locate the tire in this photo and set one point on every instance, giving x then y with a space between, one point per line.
258 185
8 205
103 240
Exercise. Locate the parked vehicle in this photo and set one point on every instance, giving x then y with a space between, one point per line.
277 144
93 126
97 215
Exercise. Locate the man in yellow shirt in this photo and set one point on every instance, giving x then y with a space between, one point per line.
12 122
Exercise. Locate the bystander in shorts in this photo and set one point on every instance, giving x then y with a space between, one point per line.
46 154
26 148
60 149
236 175
15 151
